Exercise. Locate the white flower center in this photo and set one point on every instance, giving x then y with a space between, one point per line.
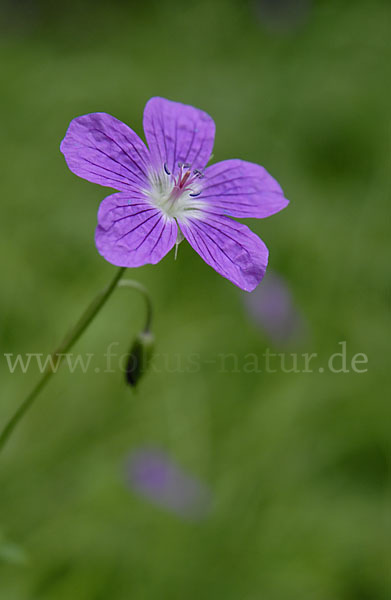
176 196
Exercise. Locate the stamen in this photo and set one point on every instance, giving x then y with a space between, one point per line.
166 169
184 179
198 173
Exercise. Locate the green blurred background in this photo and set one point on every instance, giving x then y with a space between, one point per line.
296 463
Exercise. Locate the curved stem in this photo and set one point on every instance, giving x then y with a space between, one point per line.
70 339
135 285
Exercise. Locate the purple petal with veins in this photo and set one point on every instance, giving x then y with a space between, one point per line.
229 247
131 232
241 189
102 149
177 133
153 475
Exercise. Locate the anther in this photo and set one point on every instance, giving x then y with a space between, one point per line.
166 169
195 195
198 173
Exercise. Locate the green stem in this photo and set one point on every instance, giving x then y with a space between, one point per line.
71 338
135 285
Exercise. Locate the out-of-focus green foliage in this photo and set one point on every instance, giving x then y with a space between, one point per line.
296 461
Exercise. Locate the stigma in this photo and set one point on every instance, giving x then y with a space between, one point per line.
185 182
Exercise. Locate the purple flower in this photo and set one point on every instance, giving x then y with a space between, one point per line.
166 193
272 308
153 475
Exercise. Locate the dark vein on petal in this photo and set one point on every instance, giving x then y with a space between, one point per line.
121 148
224 194
216 243
239 229
147 235
126 206
196 243
141 157
230 181
126 217
230 223
137 226
175 145
111 158
162 126
186 158
156 139
123 179
229 169
194 160
140 212
216 262
159 238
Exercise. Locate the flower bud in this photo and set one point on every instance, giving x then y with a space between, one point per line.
140 355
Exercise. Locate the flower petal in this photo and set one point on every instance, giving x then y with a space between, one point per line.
176 133
131 232
229 247
102 149
242 189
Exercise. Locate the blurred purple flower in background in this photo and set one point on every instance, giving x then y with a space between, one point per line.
272 308
282 15
153 475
